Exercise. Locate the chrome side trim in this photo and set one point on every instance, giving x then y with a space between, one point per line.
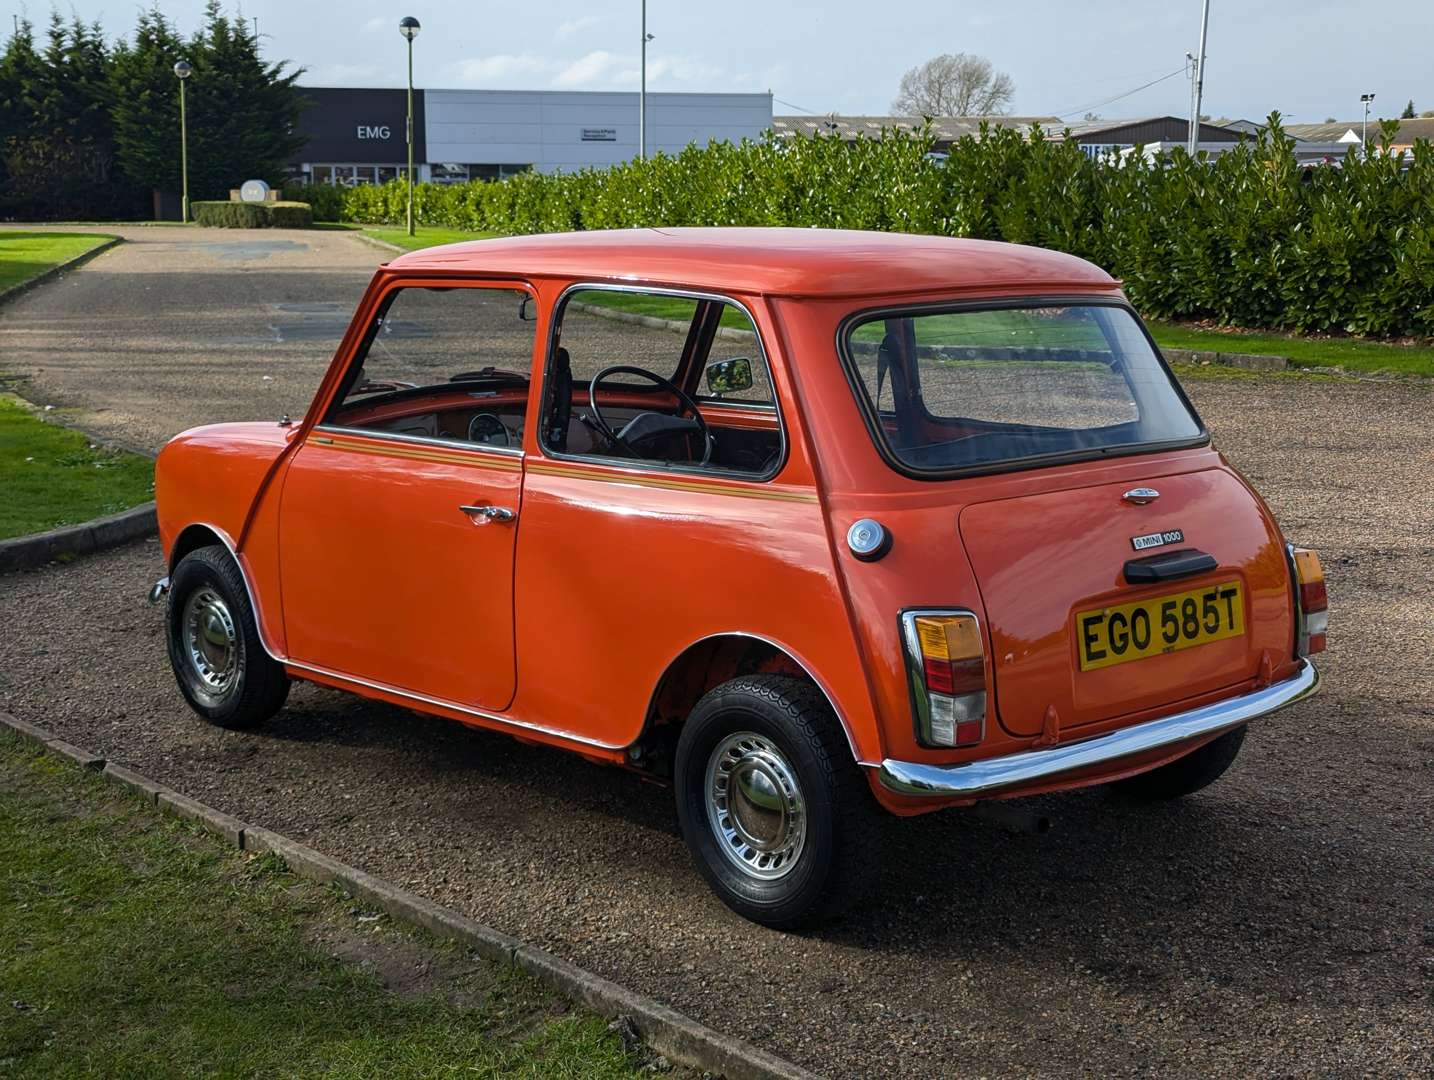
989 777
421 440
451 705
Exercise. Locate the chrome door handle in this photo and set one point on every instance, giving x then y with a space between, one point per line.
481 515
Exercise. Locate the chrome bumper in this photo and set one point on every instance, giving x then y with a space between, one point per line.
158 590
992 776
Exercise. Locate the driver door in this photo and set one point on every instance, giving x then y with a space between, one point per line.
400 512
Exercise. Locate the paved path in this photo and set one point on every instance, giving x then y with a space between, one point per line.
1279 923
177 327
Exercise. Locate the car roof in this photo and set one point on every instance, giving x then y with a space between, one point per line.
779 262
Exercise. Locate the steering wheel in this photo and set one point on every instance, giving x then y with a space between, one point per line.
648 426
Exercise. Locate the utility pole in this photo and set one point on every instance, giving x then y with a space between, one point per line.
642 90
1199 81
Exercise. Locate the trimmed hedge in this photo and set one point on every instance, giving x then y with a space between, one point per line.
242 215
1250 238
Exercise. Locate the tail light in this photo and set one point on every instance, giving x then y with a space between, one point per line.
1311 602
946 664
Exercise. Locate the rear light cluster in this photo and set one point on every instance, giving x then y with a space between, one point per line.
946 663
1311 602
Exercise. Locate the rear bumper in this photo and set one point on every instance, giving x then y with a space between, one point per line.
995 775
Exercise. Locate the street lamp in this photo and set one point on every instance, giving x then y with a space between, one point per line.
642 90
1364 132
408 27
182 71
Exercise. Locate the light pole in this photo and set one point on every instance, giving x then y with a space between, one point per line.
1364 132
1199 81
183 70
408 27
642 90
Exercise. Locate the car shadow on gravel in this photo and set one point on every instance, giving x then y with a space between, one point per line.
1213 886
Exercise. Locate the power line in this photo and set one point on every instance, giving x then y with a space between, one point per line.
791 105
1109 101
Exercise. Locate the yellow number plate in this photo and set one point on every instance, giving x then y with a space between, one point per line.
1162 624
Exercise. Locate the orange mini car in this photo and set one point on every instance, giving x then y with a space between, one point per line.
809 522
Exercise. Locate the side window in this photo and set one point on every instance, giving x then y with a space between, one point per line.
450 363
680 382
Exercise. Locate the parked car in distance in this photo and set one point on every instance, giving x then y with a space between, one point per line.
814 524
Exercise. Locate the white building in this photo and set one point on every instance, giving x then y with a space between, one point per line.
356 136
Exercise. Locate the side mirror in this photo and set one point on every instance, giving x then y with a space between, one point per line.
525 310
729 376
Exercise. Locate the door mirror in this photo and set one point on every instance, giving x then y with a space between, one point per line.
525 310
729 376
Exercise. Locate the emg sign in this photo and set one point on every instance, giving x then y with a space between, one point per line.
374 131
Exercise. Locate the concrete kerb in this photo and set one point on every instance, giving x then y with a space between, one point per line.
670 1033
55 271
86 538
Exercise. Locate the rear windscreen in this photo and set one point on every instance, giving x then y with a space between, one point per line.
956 390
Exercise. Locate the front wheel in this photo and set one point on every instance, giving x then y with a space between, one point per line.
214 647
1186 775
772 806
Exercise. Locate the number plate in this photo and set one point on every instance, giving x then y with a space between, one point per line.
1162 624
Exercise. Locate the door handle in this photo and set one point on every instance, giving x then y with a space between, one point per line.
481 515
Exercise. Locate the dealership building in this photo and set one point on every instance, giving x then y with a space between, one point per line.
356 136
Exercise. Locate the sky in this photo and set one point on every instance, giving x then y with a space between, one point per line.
1311 59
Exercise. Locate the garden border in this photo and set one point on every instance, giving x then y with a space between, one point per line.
677 1037
87 538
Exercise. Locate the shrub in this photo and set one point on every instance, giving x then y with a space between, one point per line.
1250 238
242 215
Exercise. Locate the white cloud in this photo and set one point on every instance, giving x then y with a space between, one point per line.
377 23
339 74
596 67
578 25
501 67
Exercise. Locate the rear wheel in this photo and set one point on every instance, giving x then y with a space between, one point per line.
214 647
1186 775
772 806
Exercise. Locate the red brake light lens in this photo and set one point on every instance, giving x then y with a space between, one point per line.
1313 601
947 658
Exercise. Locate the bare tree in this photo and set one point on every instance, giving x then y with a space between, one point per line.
954 84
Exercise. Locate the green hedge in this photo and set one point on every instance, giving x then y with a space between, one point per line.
1250 238
242 215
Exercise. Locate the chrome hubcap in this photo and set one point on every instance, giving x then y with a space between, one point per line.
755 806
210 641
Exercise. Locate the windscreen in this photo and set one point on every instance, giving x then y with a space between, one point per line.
970 389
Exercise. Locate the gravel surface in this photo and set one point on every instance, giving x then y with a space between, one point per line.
1279 923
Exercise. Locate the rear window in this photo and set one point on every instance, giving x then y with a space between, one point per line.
961 390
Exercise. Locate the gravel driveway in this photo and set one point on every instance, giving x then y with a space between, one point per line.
1279 923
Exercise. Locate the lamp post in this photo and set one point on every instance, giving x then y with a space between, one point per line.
1364 131
408 27
183 70
642 90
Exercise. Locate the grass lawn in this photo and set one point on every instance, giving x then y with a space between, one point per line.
25 254
54 476
135 945
1352 354
425 236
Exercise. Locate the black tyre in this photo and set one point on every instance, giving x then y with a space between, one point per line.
1197 769
775 811
214 647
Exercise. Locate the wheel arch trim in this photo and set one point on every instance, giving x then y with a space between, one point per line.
224 538
791 654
